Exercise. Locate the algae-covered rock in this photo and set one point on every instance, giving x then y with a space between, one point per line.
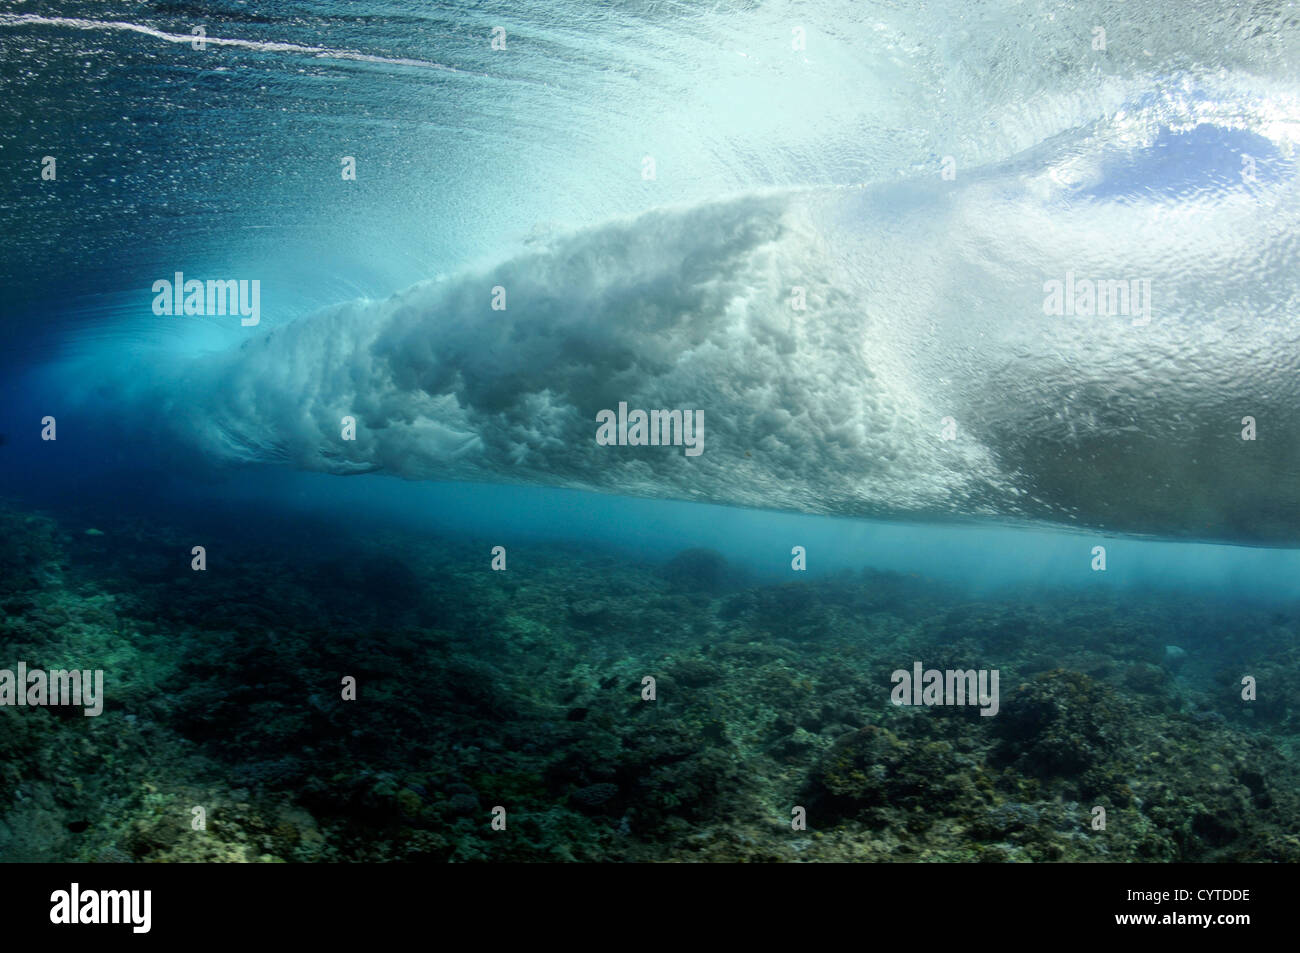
873 768
1059 723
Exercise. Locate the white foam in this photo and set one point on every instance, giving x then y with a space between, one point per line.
924 301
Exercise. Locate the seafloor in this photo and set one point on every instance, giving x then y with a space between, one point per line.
523 689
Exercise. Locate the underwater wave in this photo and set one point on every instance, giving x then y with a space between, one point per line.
879 351
1025 271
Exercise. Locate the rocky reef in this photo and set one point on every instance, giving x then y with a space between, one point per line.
388 697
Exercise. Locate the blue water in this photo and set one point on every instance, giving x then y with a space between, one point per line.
915 175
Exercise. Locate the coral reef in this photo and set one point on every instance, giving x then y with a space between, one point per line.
520 699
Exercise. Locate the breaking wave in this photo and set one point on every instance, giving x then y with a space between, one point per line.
921 379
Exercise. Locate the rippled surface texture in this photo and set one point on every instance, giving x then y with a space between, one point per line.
917 177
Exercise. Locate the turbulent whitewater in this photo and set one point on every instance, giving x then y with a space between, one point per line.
846 264
877 351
